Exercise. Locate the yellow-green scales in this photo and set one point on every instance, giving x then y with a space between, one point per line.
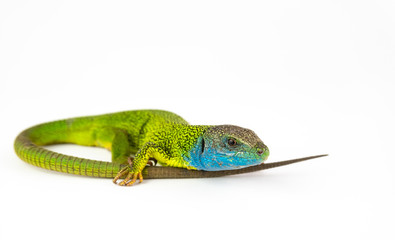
141 134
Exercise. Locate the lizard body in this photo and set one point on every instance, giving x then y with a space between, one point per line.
145 135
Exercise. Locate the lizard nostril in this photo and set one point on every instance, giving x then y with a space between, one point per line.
260 151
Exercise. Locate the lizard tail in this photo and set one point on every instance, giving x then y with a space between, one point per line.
28 146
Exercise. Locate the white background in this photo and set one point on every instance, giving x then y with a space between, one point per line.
309 77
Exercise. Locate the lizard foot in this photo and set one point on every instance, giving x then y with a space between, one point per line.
131 179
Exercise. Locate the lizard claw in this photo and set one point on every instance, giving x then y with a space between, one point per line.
133 177
130 178
121 173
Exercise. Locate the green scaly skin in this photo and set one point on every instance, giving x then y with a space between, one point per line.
124 134
144 134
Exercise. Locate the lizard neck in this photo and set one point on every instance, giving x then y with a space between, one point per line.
190 142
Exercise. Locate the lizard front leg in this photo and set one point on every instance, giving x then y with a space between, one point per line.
136 166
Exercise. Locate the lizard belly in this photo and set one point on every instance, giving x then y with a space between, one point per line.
171 161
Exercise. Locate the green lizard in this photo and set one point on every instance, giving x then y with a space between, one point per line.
136 137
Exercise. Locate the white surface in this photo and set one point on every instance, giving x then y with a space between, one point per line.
308 77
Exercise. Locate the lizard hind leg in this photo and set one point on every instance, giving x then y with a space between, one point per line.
121 149
117 141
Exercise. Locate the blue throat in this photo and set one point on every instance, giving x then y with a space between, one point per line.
204 157
195 155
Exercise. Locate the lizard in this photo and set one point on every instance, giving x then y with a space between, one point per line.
137 138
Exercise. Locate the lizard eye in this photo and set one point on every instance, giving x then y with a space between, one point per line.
232 142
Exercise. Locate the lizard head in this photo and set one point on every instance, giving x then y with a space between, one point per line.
227 147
